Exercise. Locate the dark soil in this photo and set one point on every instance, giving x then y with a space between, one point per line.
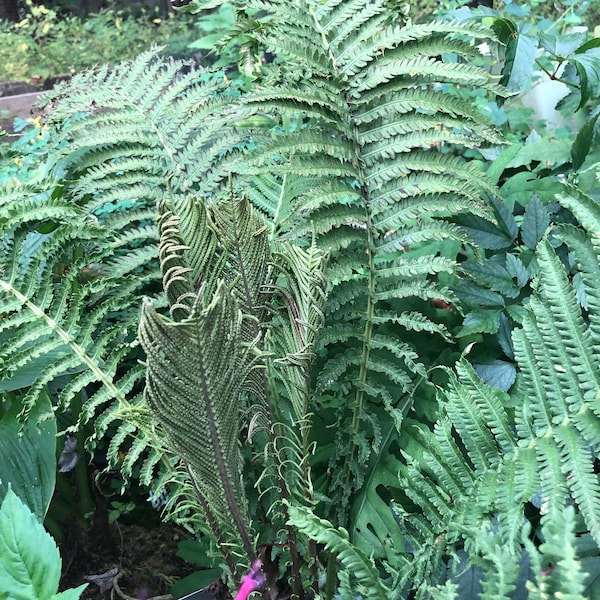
145 558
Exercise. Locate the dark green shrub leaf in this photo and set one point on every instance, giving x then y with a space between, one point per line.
484 233
28 454
498 374
505 218
517 270
493 273
505 336
561 45
583 142
535 222
587 66
519 61
480 321
475 295
375 525
196 581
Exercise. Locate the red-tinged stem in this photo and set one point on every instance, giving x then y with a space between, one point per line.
254 579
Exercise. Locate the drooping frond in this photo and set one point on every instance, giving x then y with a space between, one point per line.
360 576
53 258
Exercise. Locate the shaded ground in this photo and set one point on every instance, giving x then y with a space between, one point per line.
144 556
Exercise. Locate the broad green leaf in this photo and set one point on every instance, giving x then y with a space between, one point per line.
493 273
475 295
561 45
498 374
521 186
480 321
195 581
505 218
29 560
588 70
535 222
28 462
501 162
72 594
583 142
485 233
505 336
195 552
517 270
374 522
519 61
543 150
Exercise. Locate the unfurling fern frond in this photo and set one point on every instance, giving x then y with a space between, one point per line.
492 454
210 366
196 370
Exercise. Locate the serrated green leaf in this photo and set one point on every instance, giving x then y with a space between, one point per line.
484 233
475 295
480 321
546 151
535 222
28 454
583 142
561 45
517 270
29 560
493 273
506 219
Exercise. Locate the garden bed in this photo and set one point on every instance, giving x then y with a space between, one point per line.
18 98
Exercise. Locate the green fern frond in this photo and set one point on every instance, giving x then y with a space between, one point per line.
361 576
484 460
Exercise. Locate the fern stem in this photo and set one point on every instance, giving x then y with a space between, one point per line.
368 327
222 468
79 351
86 501
214 527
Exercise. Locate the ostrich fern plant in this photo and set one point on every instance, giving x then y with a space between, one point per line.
345 146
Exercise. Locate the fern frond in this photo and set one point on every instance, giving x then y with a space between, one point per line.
361 576
195 372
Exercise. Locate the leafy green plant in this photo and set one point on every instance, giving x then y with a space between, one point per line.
45 44
28 453
352 145
29 560
492 454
